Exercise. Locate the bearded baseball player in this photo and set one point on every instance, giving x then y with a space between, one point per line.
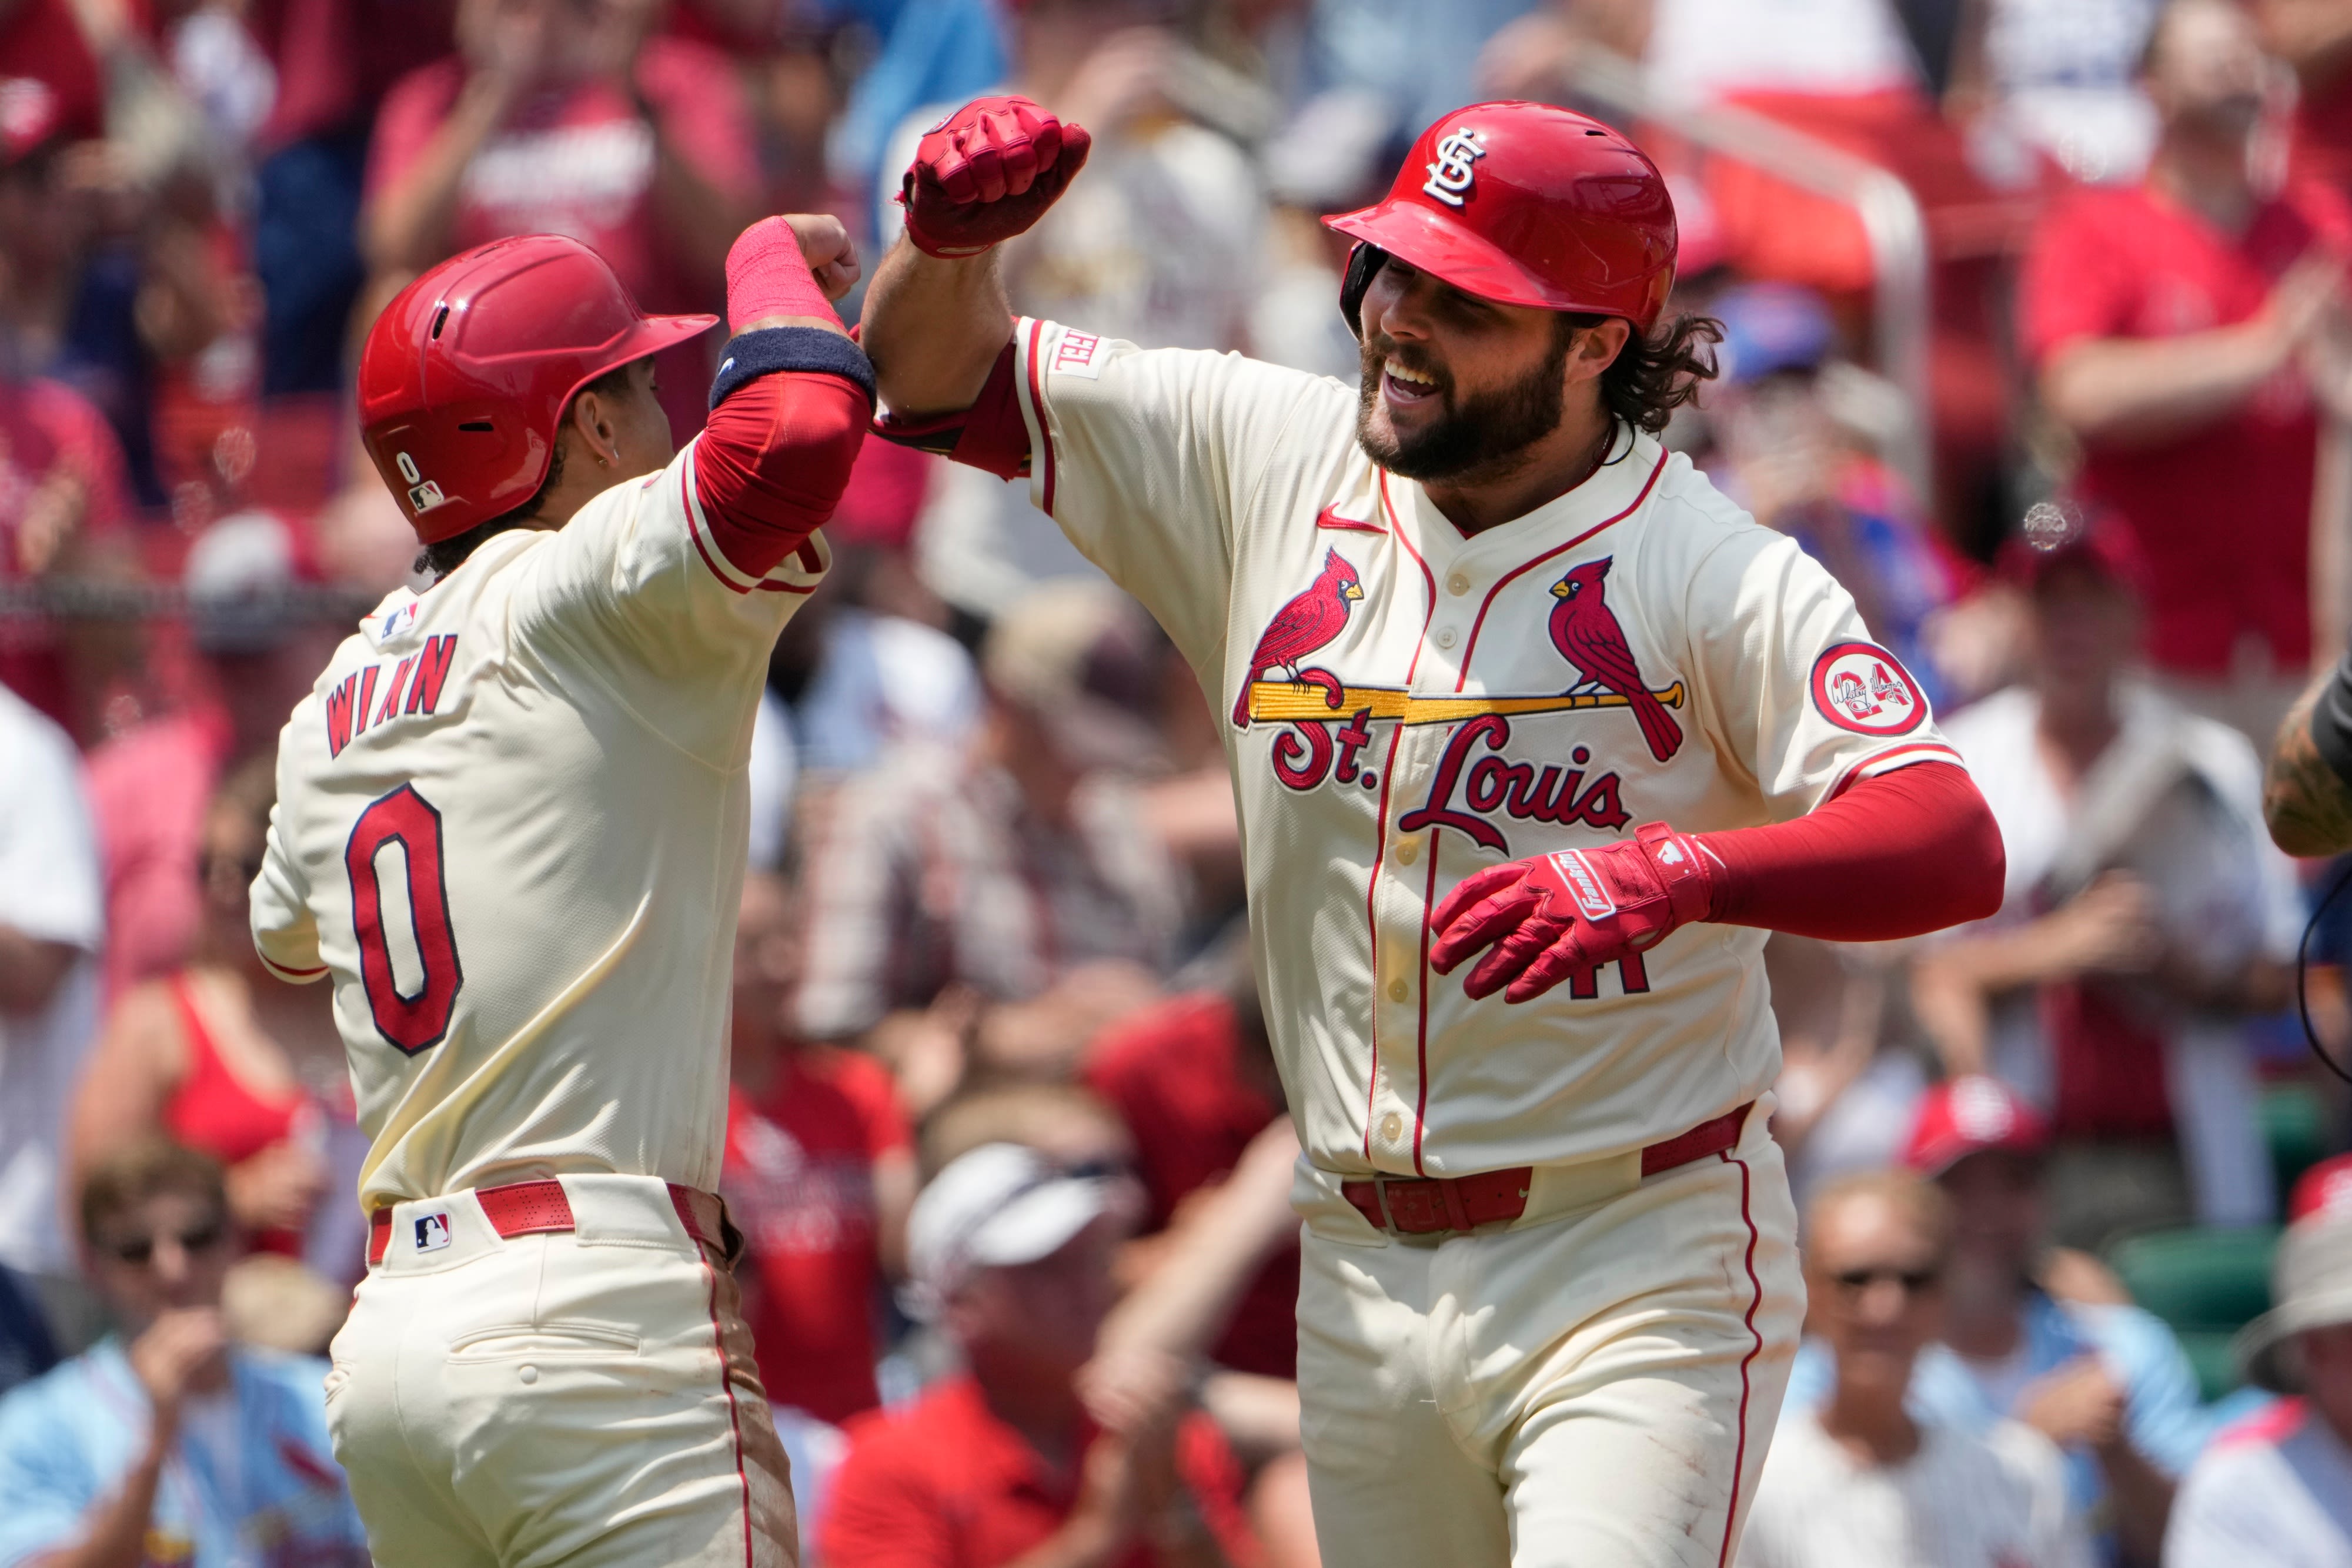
1535 736
511 831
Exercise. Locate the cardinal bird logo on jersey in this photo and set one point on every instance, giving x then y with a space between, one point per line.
1305 625
1585 630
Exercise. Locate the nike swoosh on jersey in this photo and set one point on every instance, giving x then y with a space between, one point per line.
1329 519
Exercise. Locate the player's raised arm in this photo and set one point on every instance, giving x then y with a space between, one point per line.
937 318
792 400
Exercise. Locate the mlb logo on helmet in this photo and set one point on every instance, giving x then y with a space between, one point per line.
431 1232
1450 170
424 495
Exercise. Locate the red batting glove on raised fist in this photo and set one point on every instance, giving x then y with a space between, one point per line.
1557 914
987 172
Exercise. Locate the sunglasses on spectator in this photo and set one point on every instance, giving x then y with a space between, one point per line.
1913 1280
140 1251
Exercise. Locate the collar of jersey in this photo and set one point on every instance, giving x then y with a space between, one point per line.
1604 498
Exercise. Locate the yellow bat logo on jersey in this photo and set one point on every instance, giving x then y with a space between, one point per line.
1286 701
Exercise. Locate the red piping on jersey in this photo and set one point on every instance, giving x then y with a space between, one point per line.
1421 1104
1917 751
693 532
1471 647
1037 401
1380 850
1755 1300
727 1381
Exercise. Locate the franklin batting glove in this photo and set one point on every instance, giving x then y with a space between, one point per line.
1552 915
987 172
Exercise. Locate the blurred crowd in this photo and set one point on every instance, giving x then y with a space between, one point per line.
1006 1144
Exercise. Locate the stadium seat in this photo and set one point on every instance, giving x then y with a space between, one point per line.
2295 1130
2206 1283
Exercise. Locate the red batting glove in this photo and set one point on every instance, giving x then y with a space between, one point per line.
987 172
1552 915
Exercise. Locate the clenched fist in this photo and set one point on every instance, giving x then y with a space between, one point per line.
987 172
1554 914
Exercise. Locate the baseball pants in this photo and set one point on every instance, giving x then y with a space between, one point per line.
583 1397
1591 1390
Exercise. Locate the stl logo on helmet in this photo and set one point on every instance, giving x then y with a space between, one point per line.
1449 174
1862 687
424 495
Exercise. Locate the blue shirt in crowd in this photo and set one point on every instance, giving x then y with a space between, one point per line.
251 1481
2163 1418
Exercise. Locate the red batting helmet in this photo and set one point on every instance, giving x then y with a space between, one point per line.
467 373
1525 205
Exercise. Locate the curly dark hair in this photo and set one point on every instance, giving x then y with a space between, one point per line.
1655 374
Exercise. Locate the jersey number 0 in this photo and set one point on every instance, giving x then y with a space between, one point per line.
415 1021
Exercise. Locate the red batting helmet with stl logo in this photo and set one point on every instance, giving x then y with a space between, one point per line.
465 375
1525 205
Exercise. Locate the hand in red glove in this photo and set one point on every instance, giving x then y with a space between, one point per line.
1557 914
987 172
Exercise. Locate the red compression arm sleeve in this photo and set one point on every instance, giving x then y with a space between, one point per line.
774 461
1901 854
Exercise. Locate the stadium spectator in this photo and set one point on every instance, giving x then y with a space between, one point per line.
64 496
932 51
1193 1277
258 649
168 1443
1003 1463
2147 917
819 1175
50 65
1859 1481
2061 84
331 62
2276 1488
51 921
563 116
1791 423
1194 1079
2170 325
2314 37
28 1349
2023 1340
228 1061
1005 868
1162 244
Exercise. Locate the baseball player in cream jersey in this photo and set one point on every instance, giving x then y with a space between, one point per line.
511 831
1534 737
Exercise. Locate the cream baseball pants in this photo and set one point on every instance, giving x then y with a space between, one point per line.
583 1396
1588 1389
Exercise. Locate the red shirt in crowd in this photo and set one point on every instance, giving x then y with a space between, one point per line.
41 42
799 1183
944 1483
2221 512
60 462
337 58
1173 1073
149 790
580 161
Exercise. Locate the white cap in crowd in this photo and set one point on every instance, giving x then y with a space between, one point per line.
997 1205
2311 1278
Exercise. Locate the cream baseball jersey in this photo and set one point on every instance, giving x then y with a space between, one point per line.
1404 705
510 829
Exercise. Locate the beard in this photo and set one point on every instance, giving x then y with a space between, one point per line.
1484 435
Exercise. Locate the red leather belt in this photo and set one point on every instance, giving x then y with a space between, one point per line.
1421 1206
528 1207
